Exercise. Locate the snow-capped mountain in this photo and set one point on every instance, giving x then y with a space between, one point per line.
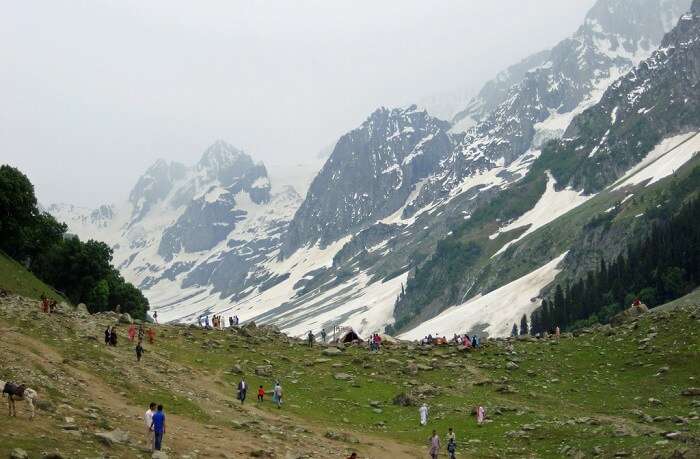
406 214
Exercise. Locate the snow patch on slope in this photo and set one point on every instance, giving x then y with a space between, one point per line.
667 157
552 205
498 309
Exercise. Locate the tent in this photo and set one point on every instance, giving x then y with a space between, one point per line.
349 336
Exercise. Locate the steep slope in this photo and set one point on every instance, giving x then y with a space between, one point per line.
15 279
369 175
618 138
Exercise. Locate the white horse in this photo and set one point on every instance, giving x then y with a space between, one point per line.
30 396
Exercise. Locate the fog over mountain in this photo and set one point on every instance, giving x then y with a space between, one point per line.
94 92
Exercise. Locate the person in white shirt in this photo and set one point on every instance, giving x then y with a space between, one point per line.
423 410
148 420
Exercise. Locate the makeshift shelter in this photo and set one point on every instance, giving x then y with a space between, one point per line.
349 336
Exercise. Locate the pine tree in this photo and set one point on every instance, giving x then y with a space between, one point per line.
523 325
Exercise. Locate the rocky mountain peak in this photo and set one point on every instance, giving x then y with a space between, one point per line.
224 162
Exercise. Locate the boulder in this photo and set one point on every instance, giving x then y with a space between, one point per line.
342 377
332 351
125 318
403 400
82 310
114 436
18 453
628 314
263 370
691 392
236 369
512 366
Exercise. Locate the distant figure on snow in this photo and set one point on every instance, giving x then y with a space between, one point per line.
423 411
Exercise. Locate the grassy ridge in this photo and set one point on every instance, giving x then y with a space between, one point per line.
16 279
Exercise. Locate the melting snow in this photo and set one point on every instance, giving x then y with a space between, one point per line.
667 157
498 309
552 205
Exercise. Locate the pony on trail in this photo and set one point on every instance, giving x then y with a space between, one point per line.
17 393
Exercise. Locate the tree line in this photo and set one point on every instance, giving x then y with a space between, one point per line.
659 268
81 271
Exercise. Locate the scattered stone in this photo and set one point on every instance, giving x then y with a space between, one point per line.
159 455
342 377
403 400
512 366
18 453
236 369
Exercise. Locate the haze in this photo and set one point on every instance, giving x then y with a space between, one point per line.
92 92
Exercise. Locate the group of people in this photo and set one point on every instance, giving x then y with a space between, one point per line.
217 322
47 305
133 333
276 393
375 342
154 421
111 336
464 341
451 437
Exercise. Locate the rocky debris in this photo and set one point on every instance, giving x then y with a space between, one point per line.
159 455
403 400
691 392
236 369
114 436
341 436
512 365
411 368
342 377
629 314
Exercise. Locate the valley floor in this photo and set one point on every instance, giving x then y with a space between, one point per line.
607 392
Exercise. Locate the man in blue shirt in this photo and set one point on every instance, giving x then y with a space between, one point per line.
158 426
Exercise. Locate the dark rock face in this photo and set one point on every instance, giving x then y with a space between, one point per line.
370 174
153 186
660 98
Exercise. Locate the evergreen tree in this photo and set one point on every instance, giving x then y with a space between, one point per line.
523 325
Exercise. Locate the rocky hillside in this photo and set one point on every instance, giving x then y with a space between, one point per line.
577 396
623 134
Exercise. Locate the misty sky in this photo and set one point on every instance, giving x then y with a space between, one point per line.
93 91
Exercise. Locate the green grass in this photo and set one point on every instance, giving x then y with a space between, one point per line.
16 279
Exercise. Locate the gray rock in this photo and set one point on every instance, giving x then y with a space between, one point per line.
342 376
19 453
114 436
125 318
512 366
332 351
263 370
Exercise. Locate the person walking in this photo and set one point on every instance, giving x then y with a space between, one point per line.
155 317
480 415
113 337
323 335
451 444
141 332
434 445
132 332
139 351
242 389
108 335
148 421
423 411
158 427
277 394
151 335
261 393
310 339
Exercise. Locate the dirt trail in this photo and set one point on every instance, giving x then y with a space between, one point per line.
298 438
